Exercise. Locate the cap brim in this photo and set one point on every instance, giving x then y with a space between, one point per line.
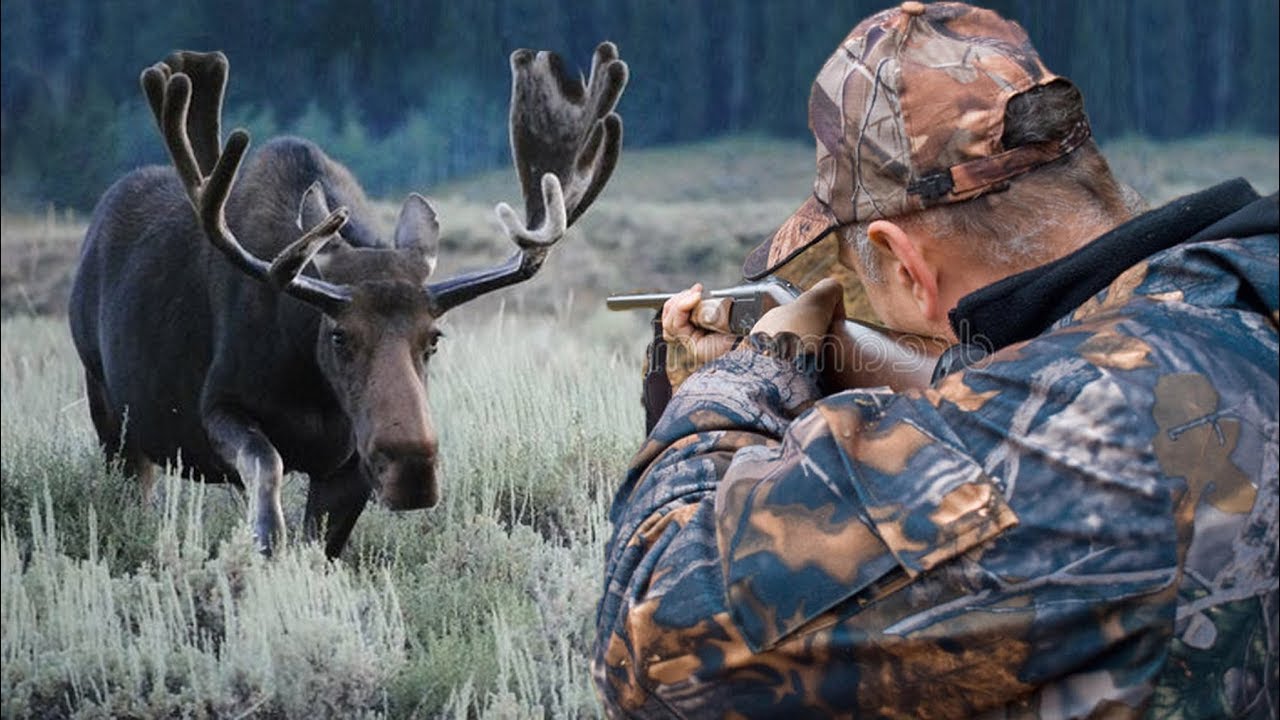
808 224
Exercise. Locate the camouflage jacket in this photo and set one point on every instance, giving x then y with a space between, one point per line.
1084 524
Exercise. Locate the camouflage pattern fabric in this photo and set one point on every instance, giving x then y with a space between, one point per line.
1084 525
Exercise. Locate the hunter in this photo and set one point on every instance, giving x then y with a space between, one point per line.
1076 518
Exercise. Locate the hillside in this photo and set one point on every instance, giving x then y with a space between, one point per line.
669 217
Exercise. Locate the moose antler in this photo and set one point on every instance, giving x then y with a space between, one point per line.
185 93
565 140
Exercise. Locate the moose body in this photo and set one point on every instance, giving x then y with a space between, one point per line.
173 337
197 352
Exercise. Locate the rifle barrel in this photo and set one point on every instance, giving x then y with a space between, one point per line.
637 301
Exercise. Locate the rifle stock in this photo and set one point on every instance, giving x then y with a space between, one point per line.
862 355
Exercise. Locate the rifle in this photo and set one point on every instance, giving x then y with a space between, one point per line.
733 310
861 355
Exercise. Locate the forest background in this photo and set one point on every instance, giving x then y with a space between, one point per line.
413 93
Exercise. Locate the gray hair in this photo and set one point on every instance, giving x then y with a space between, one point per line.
855 235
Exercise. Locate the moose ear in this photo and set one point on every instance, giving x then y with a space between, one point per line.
417 229
313 208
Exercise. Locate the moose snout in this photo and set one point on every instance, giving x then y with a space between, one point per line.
404 477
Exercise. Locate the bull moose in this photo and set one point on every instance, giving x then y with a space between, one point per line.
198 351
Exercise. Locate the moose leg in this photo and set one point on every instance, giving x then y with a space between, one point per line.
334 503
111 436
242 445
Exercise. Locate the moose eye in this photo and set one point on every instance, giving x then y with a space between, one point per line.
338 338
433 343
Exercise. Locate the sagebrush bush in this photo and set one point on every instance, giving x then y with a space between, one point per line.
482 607
195 633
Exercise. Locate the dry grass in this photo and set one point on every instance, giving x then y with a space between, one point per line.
37 257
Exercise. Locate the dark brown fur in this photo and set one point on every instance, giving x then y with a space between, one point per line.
198 351
188 359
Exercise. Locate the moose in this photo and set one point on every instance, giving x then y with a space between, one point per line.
200 353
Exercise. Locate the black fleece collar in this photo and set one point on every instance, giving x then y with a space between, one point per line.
1023 306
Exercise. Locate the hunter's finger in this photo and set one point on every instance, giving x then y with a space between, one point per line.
677 310
822 292
680 304
687 300
825 294
712 345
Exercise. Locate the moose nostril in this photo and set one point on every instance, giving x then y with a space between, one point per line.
416 467
406 480
394 467
405 473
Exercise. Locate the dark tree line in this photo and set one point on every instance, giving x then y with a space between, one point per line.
411 93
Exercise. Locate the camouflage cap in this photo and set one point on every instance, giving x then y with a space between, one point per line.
909 113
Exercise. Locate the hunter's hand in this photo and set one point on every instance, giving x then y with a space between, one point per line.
811 316
701 346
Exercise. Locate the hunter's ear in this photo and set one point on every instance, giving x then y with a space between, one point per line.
905 266
418 229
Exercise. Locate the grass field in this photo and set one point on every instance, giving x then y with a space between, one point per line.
482 607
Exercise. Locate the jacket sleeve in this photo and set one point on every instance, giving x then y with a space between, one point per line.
664 536
739 523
